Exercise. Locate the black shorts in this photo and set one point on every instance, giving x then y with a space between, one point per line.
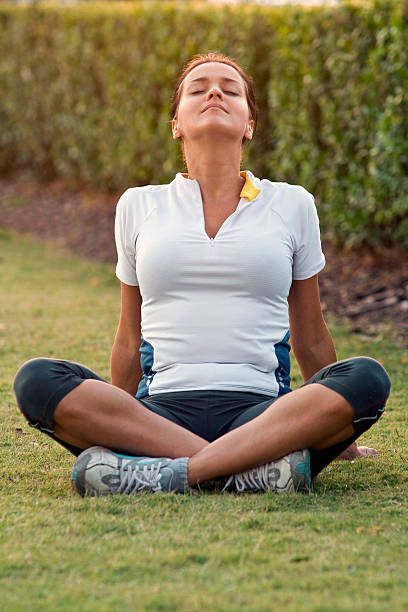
41 384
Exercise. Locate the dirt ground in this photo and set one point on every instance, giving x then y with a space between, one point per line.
370 289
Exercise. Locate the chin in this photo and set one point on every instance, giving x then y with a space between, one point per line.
215 131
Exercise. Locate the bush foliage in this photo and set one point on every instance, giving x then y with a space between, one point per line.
86 92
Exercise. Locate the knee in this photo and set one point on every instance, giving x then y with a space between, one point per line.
372 376
31 382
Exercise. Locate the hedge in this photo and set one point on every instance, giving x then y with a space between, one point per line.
85 92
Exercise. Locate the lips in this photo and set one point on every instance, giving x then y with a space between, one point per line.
214 106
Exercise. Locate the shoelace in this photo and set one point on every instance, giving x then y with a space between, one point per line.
134 478
256 479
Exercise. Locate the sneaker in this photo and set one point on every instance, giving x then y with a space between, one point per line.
100 471
286 475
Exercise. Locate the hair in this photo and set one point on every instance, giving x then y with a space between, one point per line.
196 60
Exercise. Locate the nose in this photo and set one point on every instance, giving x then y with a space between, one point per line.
214 92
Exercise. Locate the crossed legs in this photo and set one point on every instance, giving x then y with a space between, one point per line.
95 413
314 416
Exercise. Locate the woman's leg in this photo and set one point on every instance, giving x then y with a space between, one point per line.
96 413
295 421
324 415
79 409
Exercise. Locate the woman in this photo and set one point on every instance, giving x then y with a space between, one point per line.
214 268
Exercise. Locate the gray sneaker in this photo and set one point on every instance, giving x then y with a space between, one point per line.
286 475
99 471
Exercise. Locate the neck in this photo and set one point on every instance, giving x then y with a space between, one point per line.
217 172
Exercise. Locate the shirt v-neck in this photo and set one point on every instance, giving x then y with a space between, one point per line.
248 193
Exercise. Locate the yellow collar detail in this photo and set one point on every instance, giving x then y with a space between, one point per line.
249 190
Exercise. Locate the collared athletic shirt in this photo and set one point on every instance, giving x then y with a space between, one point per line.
215 310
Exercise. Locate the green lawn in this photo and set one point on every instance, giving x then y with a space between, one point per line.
342 548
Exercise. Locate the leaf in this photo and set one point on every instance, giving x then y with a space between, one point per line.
300 558
374 529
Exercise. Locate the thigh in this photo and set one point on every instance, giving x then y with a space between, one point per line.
362 381
40 384
365 384
250 413
318 459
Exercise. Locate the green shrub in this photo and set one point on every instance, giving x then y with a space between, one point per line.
86 92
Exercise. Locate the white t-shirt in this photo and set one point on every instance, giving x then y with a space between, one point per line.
215 311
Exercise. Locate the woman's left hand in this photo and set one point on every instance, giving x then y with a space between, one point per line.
355 452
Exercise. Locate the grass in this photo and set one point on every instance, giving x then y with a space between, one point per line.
344 547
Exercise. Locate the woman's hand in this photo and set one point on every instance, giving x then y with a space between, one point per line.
356 452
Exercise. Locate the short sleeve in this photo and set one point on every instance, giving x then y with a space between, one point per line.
308 258
125 238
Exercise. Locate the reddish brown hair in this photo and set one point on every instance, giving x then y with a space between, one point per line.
196 60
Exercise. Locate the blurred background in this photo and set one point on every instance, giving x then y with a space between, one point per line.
85 93
85 96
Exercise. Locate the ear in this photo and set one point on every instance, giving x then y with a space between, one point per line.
250 130
175 129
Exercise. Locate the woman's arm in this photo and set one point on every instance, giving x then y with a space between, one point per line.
310 339
312 343
125 359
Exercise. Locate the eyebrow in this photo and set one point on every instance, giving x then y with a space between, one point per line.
222 79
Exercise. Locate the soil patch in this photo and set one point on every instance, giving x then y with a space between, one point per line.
369 288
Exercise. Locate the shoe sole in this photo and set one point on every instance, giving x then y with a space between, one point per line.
300 470
78 473
291 474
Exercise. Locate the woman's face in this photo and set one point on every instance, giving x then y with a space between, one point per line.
213 102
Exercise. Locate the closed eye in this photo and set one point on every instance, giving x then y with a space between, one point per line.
232 93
